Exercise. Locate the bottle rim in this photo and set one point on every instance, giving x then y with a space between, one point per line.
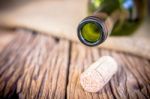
99 23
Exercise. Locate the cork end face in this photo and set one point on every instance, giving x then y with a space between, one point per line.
91 81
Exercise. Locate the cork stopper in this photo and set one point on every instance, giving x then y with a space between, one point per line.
98 74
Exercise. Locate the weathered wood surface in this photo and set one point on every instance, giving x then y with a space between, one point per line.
131 81
35 66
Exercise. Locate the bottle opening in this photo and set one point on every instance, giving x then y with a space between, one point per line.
90 32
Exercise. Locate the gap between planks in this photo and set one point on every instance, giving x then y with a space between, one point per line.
42 67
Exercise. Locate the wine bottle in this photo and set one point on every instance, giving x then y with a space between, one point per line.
110 17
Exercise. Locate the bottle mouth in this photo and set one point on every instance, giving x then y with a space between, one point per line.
91 31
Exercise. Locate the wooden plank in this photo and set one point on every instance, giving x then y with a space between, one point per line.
38 66
131 81
34 67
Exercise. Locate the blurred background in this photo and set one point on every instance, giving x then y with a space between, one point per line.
52 16
7 6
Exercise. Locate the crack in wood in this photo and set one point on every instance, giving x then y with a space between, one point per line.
43 67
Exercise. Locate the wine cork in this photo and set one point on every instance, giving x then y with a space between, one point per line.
98 74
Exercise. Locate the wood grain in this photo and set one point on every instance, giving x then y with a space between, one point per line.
34 66
131 81
38 66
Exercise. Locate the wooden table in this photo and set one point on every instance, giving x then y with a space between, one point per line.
36 66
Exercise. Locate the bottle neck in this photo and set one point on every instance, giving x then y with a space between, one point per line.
108 20
94 29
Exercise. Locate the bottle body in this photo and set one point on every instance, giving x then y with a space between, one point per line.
132 13
113 17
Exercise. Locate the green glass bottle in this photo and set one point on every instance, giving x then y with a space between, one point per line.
110 17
